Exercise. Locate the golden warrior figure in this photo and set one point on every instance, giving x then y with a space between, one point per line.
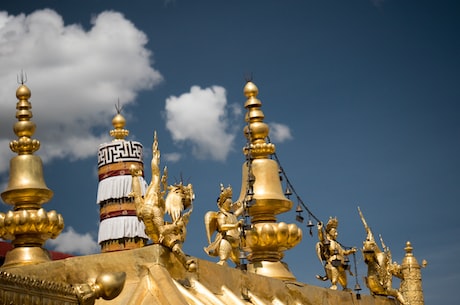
226 244
331 253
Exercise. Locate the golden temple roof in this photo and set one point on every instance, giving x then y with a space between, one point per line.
155 277
160 273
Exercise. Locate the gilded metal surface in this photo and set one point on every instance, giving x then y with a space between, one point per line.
268 239
16 289
152 208
227 243
380 268
334 257
160 273
411 283
107 286
28 225
119 123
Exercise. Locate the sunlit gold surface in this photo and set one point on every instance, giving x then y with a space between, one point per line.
155 276
152 207
227 243
107 286
28 290
269 199
333 255
119 122
161 273
28 225
411 283
380 268
267 239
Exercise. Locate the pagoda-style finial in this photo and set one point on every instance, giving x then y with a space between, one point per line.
28 225
262 191
256 131
119 123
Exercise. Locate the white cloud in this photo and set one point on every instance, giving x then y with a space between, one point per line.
279 133
172 157
75 75
72 242
199 117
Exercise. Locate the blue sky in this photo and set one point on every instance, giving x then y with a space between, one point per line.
362 97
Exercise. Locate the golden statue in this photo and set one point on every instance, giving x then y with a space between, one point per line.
380 268
152 208
333 255
226 244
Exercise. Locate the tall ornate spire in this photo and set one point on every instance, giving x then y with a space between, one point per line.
263 194
119 227
28 225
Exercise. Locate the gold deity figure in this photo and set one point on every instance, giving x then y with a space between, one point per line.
333 255
380 268
226 244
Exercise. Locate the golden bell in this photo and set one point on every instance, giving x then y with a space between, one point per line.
26 187
269 199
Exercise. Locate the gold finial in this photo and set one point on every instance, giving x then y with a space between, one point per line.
28 225
119 123
408 249
24 128
256 130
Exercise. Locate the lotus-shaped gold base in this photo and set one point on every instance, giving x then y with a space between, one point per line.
267 241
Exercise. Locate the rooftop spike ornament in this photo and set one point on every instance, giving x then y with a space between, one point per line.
119 132
28 226
267 239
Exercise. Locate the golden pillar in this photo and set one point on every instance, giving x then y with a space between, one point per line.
411 283
28 225
261 189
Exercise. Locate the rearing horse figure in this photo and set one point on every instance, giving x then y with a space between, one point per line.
152 207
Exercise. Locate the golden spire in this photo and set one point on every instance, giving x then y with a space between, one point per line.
28 225
119 123
256 131
262 191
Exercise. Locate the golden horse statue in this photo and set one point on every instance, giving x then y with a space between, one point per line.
153 207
